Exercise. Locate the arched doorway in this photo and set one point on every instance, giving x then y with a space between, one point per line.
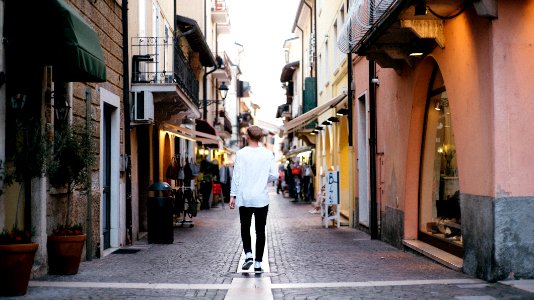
439 189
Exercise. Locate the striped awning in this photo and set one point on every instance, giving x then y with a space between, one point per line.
311 115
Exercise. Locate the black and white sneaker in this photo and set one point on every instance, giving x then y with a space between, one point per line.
247 263
257 267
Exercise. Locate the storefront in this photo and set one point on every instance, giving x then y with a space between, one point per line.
439 202
452 131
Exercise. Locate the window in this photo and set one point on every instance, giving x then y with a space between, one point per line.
326 69
321 75
155 29
336 55
142 18
439 203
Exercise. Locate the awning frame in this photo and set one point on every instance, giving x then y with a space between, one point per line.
309 116
191 134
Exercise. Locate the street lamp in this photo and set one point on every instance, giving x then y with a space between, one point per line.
223 90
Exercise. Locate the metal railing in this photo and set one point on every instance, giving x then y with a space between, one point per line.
218 5
362 15
153 62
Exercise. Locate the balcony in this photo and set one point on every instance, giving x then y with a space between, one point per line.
224 125
219 12
245 119
224 72
153 62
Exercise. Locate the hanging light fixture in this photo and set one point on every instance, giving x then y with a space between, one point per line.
342 112
333 119
223 90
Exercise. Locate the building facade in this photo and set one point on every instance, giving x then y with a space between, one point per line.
70 82
317 84
444 91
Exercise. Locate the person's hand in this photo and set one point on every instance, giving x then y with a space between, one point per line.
232 202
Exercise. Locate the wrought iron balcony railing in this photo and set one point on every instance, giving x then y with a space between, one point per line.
153 62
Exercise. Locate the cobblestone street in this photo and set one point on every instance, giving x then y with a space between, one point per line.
306 261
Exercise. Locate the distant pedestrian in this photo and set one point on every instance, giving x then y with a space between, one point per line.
254 168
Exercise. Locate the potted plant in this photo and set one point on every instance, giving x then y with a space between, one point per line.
16 260
17 251
66 169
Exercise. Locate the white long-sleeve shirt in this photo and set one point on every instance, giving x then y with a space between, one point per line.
254 168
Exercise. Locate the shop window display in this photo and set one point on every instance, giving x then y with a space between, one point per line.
440 216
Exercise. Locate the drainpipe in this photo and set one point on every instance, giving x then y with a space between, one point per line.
216 121
126 103
311 25
206 73
372 149
205 92
372 138
302 62
315 50
350 89
350 86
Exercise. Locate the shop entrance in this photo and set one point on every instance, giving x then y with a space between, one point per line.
439 195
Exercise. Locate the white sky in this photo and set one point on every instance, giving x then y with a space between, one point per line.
261 27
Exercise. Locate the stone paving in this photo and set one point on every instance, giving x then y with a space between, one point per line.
306 260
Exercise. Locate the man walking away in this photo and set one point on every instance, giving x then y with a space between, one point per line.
254 168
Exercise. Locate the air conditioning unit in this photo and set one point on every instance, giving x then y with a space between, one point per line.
286 112
143 107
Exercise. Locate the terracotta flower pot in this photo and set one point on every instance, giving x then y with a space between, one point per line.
16 261
64 254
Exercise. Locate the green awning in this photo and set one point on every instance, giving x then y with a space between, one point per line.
51 32
80 57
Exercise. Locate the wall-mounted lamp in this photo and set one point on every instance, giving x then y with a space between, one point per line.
326 123
61 108
437 105
18 101
416 53
333 119
319 128
342 112
314 132
223 90
420 8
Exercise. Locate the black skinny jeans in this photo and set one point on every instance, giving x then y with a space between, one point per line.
260 219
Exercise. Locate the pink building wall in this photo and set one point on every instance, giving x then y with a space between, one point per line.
488 72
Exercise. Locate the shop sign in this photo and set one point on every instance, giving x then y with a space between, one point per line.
332 187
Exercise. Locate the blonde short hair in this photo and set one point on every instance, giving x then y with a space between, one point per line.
255 133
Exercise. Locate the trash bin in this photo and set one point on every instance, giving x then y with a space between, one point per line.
160 214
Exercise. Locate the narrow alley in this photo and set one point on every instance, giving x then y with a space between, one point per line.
305 261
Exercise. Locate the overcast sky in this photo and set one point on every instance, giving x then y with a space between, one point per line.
261 27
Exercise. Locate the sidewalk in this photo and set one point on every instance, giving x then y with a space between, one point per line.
306 261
